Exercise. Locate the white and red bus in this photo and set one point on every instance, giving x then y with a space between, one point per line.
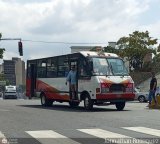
102 79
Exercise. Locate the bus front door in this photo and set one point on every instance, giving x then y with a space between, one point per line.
74 94
33 80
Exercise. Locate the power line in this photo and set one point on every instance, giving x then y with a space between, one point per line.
61 42
55 42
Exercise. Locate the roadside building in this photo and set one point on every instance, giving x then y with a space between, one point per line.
14 71
9 71
81 48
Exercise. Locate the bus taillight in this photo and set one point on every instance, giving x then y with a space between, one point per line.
104 88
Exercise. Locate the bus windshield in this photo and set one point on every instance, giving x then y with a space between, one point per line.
109 66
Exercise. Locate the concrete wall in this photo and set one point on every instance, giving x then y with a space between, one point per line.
144 86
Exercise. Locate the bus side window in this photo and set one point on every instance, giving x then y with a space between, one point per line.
63 66
83 68
41 69
51 67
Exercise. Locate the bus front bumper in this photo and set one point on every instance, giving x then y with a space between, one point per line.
117 96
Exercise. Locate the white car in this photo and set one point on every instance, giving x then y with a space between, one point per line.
10 92
141 96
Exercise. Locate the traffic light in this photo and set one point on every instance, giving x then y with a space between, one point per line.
20 47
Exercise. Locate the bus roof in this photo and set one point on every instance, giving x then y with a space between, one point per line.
85 54
93 53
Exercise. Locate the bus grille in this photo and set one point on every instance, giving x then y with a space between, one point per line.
117 88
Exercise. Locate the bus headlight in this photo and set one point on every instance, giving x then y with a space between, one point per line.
129 87
104 88
97 90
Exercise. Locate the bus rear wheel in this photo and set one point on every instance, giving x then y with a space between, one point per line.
120 106
45 102
88 102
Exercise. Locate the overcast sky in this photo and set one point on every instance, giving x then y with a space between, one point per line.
75 21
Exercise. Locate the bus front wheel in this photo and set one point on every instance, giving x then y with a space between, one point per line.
120 106
45 102
88 102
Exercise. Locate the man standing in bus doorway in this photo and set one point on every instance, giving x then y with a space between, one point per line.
152 90
72 79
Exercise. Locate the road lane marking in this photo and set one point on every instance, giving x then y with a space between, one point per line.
1 135
144 130
111 136
102 133
45 134
49 136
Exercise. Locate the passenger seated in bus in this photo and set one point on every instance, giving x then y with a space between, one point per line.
71 78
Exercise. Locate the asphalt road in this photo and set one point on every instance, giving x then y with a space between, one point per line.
27 122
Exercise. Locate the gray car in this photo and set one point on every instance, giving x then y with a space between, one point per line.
141 96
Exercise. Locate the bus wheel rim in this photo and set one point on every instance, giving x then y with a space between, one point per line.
86 101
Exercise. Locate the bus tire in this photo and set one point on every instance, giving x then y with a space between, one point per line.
45 102
74 104
88 102
120 106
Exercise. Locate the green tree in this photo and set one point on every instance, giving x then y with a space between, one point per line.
158 48
135 47
95 48
2 77
1 49
110 49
